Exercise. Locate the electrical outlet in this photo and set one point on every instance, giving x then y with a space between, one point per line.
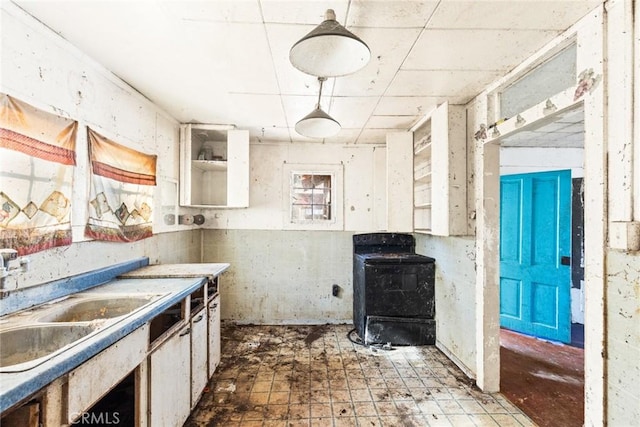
335 290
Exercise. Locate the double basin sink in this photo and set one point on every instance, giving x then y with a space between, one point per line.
30 338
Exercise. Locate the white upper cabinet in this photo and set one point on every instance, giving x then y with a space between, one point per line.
214 165
440 172
399 174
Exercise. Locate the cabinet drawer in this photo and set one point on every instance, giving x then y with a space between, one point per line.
94 378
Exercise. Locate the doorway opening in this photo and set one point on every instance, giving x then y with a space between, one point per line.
542 269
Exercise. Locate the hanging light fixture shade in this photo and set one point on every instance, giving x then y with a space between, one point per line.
318 124
329 50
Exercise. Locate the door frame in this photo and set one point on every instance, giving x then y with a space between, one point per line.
488 266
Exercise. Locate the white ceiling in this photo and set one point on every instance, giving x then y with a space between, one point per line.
227 62
562 130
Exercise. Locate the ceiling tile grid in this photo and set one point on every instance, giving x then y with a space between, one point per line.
227 61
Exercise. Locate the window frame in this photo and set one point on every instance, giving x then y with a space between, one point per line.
335 171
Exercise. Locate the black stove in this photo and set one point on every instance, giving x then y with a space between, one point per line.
393 290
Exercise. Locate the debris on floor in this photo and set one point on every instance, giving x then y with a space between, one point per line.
315 376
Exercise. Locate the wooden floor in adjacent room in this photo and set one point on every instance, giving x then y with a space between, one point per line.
544 379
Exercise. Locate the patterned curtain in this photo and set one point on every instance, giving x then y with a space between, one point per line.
37 158
122 181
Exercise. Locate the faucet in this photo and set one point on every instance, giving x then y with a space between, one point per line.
6 270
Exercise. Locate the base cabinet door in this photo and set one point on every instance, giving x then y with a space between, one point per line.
170 381
214 334
199 368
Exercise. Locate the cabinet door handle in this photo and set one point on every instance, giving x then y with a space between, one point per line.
213 306
185 332
199 318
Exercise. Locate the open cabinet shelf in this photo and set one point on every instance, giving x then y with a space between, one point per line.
214 166
439 173
209 165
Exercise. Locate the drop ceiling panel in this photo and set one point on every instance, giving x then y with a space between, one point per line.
373 136
307 12
565 129
449 84
243 108
406 105
213 11
391 122
389 14
476 49
243 66
352 112
345 136
389 48
269 134
517 14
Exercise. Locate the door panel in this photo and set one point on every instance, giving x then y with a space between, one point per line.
510 297
535 233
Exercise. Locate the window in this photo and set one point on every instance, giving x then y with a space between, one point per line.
544 81
312 196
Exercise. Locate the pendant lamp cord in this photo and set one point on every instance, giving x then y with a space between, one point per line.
321 80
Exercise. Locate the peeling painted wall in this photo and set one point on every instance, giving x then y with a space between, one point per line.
623 338
283 277
364 189
515 160
49 73
455 295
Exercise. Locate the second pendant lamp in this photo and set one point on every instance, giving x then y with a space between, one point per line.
318 124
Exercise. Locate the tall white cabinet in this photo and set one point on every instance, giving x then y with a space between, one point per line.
214 166
440 173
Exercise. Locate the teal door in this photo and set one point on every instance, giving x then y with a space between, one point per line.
535 242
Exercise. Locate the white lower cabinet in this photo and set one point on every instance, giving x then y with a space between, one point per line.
170 385
94 378
199 375
214 334
163 365
27 415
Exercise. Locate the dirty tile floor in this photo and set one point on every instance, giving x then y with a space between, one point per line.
315 376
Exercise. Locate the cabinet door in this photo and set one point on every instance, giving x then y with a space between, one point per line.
95 377
199 342
214 334
170 385
238 168
399 174
25 416
185 165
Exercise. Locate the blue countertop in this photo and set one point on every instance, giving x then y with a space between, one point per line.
17 386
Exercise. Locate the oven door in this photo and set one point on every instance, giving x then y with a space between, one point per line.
400 289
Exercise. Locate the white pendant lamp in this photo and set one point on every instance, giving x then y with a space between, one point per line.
329 50
318 124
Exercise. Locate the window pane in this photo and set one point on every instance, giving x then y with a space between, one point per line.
319 198
321 212
550 78
323 181
310 197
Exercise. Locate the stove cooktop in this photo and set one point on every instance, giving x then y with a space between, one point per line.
395 257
